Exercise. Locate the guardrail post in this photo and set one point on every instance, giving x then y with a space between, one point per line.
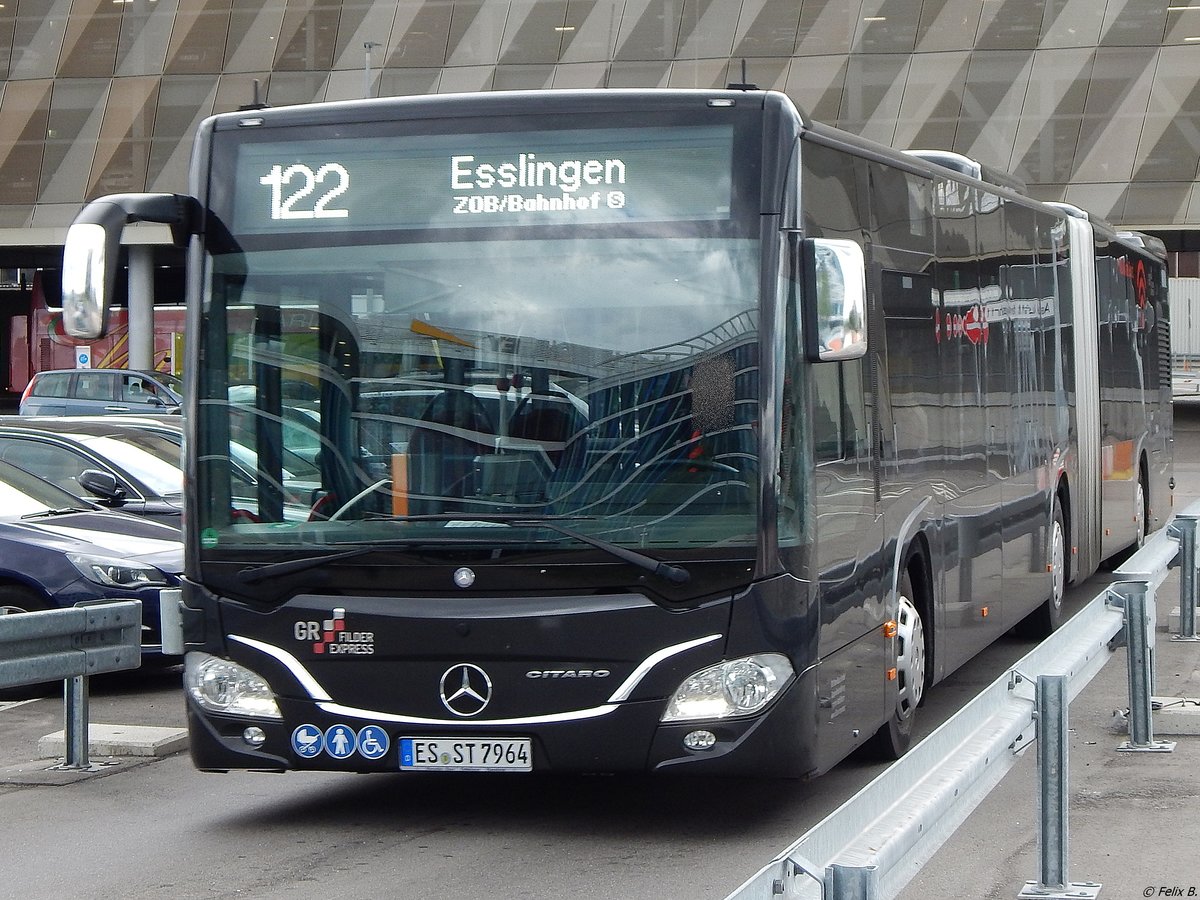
75 707
1139 633
851 883
1053 779
1184 527
1052 757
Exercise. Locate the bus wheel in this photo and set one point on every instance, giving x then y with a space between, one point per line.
1046 618
1140 516
894 737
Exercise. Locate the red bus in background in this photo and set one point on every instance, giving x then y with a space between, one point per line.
38 342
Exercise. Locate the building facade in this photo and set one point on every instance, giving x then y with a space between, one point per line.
1094 102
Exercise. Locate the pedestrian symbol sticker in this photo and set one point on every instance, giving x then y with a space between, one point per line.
373 742
340 741
307 741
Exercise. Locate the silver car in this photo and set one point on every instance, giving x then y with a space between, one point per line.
91 392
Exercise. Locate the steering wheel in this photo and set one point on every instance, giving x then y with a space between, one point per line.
364 493
690 466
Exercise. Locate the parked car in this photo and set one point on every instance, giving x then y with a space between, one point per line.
82 392
131 463
300 421
57 549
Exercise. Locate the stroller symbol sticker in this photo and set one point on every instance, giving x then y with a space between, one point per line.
307 741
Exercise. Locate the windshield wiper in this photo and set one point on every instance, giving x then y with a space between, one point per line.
252 574
60 511
674 574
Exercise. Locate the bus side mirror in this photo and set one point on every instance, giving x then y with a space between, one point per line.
93 247
835 299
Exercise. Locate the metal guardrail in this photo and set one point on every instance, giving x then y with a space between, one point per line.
876 842
69 645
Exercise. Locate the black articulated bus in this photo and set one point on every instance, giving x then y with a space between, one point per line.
647 430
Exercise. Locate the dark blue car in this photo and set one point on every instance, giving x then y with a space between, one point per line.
57 549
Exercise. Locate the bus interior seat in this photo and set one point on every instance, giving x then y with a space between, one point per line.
547 422
442 450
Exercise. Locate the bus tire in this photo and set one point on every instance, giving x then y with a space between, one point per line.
1046 618
1141 512
894 737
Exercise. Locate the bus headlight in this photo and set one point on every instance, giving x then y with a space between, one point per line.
222 686
738 687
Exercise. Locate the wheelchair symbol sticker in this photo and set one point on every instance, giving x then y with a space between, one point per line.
373 742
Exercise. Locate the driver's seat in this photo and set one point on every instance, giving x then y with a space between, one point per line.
455 428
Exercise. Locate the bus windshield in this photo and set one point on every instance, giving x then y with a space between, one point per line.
459 385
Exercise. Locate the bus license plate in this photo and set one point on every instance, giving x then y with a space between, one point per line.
466 754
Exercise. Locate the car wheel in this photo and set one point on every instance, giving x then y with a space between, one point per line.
17 598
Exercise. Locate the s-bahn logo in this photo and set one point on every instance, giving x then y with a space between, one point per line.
331 636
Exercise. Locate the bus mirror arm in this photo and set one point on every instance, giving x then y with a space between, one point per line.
93 246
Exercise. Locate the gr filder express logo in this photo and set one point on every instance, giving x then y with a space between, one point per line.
331 636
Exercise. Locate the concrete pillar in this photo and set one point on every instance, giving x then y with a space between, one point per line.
141 307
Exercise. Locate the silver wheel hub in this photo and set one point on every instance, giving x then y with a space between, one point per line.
1058 565
1139 515
910 658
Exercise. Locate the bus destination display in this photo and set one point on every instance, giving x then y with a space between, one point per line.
465 180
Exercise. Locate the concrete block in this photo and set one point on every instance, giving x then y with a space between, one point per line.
119 740
1174 617
1176 715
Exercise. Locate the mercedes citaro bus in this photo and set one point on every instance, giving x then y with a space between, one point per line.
658 430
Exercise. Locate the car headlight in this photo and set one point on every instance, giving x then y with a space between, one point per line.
223 686
121 573
738 687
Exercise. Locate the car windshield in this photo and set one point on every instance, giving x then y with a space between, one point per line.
23 494
171 381
150 458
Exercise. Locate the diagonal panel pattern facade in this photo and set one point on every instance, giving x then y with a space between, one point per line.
1096 104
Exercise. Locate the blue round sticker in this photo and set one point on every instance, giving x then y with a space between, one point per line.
373 741
307 741
340 741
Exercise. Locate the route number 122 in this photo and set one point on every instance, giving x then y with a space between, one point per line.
294 191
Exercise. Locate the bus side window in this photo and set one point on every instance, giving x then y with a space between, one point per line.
839 411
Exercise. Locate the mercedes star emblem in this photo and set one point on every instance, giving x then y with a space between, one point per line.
464 577
466 690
